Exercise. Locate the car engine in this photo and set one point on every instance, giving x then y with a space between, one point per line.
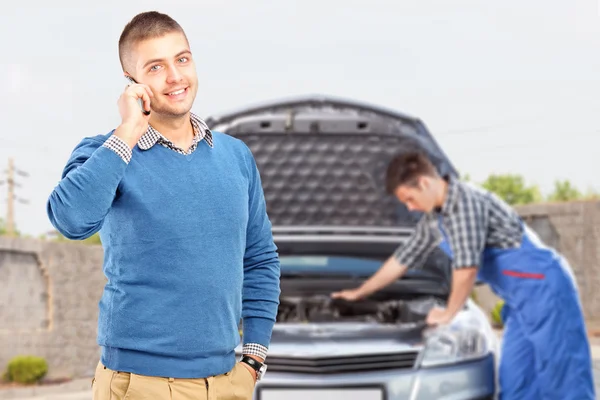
320 308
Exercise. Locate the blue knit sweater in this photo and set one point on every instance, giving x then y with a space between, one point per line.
188 252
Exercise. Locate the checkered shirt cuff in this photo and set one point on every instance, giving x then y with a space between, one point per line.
117 145
255 350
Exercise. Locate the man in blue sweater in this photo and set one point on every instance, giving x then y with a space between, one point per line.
188 248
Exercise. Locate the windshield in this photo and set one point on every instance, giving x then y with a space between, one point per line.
326 264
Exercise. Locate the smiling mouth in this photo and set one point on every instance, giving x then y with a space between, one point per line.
177 92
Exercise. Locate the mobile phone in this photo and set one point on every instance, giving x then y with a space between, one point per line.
140 101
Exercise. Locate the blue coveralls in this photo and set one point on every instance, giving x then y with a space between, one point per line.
545 350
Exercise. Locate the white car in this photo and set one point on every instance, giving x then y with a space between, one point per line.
322 163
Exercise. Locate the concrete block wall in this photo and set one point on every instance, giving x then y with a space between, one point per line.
49 294
573 229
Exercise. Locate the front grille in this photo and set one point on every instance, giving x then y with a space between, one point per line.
331 365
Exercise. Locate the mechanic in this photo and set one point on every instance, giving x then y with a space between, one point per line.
545 351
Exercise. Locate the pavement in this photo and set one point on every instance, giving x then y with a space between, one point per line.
79 389
85 395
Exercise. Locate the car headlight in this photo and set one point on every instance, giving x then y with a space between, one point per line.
467 337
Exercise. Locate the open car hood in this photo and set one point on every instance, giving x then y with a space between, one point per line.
322 162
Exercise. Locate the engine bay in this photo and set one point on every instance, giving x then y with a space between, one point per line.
323 308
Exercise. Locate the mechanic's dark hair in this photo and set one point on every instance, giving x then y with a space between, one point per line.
146 25
406 168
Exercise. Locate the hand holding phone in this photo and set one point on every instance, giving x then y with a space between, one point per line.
134 107
140 101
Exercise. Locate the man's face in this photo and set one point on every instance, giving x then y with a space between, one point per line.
165 64
417 198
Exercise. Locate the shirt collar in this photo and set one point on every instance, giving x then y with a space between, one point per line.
201 131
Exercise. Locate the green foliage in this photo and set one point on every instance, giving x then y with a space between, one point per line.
512 188
564 191
4 229
497 314
591 195
26 369
93 240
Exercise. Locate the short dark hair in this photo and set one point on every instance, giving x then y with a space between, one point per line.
406 168
146 25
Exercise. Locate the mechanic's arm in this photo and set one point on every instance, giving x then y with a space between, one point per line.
389 272
260 297
411 253
78 204
463 281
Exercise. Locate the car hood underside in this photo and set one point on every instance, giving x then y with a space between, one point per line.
322 160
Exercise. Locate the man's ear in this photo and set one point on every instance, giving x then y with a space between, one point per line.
423 183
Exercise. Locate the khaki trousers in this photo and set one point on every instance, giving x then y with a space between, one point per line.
237 384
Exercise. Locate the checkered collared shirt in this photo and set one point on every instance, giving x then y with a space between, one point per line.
472 219
152 137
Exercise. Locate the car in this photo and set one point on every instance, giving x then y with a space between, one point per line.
322 163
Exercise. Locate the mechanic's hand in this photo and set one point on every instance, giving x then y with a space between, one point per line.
349 294
438 316
133 121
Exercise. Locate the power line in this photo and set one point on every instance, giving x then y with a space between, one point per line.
490 128
501 125
11 184
13 144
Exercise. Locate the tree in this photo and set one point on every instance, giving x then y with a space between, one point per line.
94 239
564 191
591 194
512 189
4 229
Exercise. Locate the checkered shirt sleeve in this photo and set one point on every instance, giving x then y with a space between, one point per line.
414 252
466 229
255 350
117 145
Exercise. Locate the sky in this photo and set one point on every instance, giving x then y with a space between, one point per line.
505 87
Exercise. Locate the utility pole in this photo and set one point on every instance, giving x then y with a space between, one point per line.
10 209
11 184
